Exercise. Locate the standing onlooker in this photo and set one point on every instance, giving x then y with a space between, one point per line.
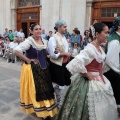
11 35
67 34
15 32
75 37
50 35
44 35
81 38
6 33
20 33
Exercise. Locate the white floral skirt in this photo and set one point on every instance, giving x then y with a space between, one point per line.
101 101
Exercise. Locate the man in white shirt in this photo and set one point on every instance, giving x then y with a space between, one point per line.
21 34
15 32
10 54
6 33
113 60
59 55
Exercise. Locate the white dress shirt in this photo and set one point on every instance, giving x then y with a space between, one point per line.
52 46
12 45
112 57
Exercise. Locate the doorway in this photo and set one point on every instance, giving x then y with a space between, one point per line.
26 17
109 24
26 26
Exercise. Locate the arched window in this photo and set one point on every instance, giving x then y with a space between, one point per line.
28 3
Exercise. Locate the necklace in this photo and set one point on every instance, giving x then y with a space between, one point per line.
95 43
96 47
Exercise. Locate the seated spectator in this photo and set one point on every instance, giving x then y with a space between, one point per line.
74 50
68 40
11 35
6 46
1 46
20 40
50 35
10 54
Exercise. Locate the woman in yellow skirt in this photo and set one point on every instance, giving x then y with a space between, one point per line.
36 90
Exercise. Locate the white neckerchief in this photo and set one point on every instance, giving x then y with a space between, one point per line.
36 45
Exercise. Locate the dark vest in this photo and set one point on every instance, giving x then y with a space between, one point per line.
33 53
113 36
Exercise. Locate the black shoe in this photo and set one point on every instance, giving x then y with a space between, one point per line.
9 60
48 118
13 61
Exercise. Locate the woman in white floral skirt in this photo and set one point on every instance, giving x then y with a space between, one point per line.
90 96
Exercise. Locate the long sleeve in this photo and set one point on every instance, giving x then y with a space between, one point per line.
52 47
77 65
23 46
112 57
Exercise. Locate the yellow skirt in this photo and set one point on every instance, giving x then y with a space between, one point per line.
28 96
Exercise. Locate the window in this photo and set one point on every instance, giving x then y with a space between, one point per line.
28 3
109 12
30 16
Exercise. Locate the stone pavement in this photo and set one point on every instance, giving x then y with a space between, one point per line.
9 92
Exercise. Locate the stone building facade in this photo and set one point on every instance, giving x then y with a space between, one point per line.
77 13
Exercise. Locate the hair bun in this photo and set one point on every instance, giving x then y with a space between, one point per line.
33 25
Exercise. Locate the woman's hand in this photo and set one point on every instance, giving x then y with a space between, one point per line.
28 60
88 75
91 77
48 56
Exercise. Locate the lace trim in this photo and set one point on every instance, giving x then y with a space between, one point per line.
37 46
98 56
76 66
91 104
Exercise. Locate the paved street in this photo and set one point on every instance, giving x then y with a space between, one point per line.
9 92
